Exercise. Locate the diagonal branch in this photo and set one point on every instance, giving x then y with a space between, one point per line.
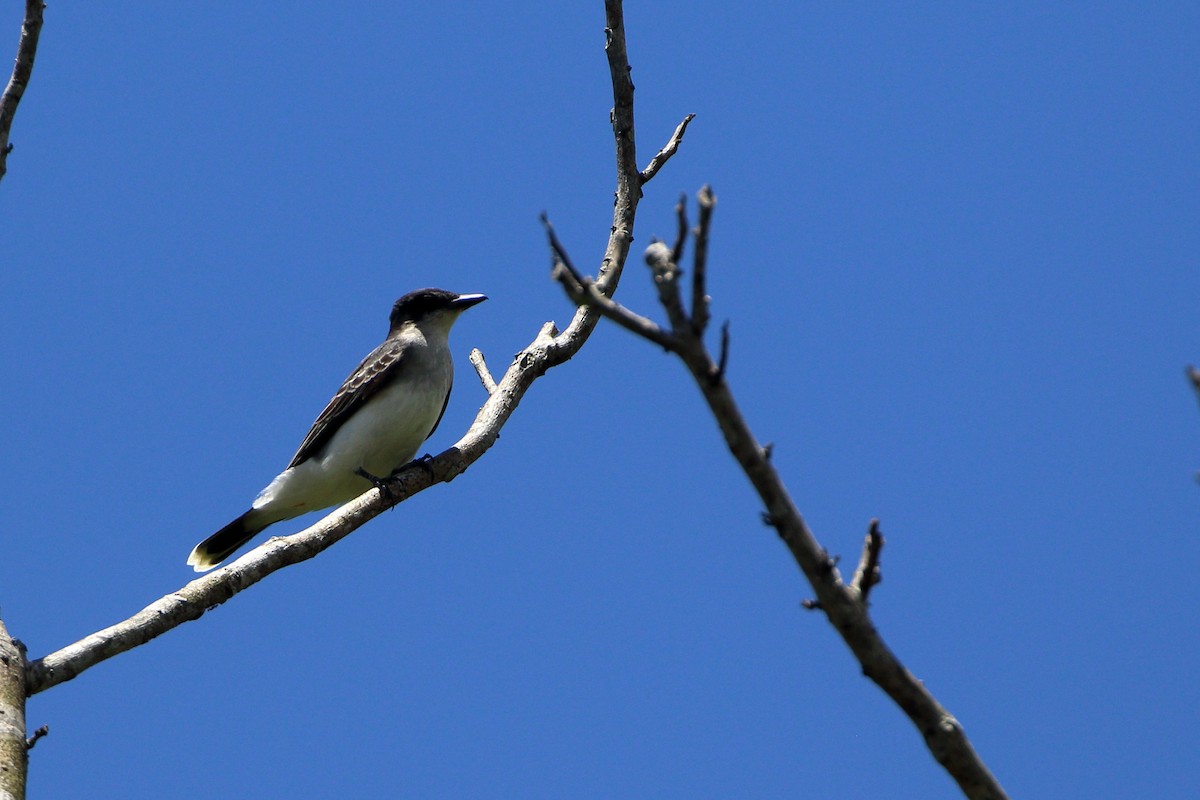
31 29
668 150
548 349
844 604
481 369
584 292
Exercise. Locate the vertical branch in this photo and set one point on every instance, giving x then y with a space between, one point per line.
666 273
14 758
682 229
26 52
707 201
629 178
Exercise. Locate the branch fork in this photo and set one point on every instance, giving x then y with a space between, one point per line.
844 604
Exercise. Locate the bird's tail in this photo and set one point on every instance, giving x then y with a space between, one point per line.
218 547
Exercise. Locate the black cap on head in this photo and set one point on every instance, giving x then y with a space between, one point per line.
414 306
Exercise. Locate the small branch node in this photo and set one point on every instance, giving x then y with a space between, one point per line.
38 734
811 605
768 450
658 257
868 574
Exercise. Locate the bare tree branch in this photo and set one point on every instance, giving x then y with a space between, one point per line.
14 747
723 360
664 272
481 369
629 180
38 734
548 349
868 574
707 201
844 604
681 231
668 150
31 28
560 259
14 754
585 292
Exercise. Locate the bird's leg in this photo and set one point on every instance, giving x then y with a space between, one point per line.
382 484
425 462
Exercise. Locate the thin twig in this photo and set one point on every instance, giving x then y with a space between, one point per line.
584 292
558 254
681 231
633 322
723 360
700 299
31 29
668 150
868 574
481 369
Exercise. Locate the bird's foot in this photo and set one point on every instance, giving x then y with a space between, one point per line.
425 462
384 485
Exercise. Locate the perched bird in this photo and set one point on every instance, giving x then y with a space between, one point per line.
372 427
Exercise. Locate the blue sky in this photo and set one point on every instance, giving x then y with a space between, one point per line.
957 245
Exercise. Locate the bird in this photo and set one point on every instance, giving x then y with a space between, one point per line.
375 423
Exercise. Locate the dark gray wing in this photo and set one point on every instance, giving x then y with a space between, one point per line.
381 367
442 413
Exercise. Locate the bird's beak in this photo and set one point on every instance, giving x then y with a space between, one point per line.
465 301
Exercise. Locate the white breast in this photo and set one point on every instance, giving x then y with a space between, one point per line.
379 437
387 432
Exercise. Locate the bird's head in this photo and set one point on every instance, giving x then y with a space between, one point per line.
436 307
